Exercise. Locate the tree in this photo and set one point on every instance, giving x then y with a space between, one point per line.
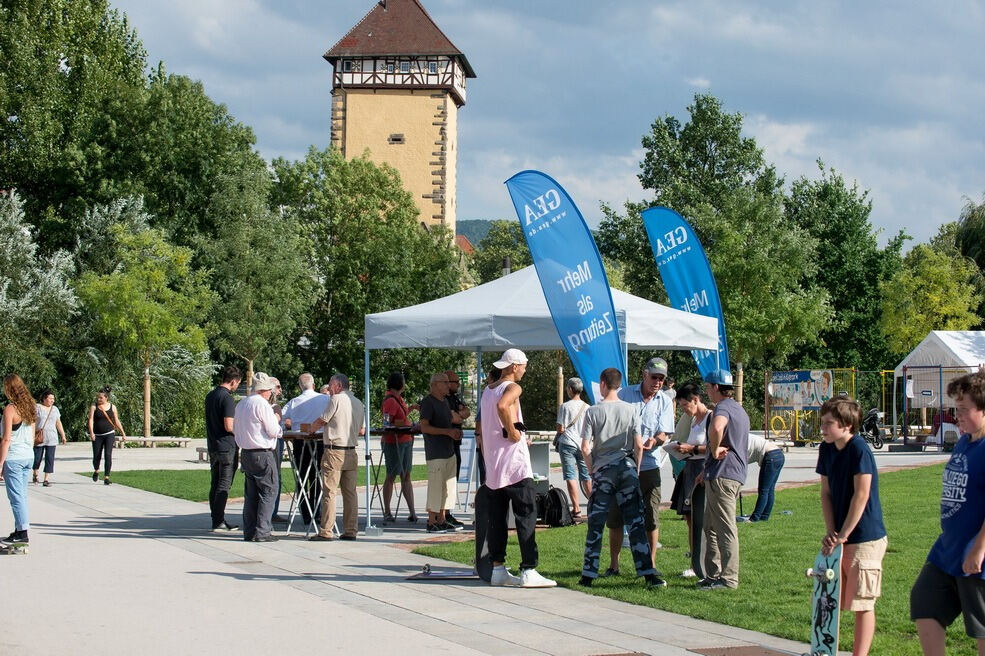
970 237
370 253
36 298
720 182
260 271
933 290
504 239
71 92
151 301
850 266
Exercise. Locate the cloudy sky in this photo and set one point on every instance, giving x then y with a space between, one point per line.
891 94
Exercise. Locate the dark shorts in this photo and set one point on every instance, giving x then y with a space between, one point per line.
650 493
399 458
937 595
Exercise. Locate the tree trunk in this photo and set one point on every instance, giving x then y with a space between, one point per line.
249 377
146 401
739 376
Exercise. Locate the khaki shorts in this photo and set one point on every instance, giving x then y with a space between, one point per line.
442 486
861 574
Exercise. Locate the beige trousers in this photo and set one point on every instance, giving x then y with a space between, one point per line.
338 470
721 534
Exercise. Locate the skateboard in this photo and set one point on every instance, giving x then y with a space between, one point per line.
14 548
429 574
483 564
826 603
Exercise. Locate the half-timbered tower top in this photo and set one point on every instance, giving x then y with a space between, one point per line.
398 45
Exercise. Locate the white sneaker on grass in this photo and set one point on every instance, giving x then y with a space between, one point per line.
531 579
502 577
689 574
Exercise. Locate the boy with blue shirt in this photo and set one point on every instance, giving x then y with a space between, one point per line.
952 582
852 513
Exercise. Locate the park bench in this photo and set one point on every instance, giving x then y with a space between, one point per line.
203 454
152 441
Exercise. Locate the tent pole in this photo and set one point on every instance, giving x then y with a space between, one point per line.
940 411
369 455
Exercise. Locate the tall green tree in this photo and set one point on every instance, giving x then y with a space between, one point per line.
370 254
36 298
151 301
934 290
71 94
850 265
719 180
970 237
261 273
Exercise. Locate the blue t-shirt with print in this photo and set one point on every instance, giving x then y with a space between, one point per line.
962 506
656 416
841 467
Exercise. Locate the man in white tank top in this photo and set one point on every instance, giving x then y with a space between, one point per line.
509 475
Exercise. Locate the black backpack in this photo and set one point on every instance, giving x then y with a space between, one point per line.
557 510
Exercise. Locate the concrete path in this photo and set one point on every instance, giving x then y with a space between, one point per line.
115 570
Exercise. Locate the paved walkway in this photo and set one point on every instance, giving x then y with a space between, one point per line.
115 570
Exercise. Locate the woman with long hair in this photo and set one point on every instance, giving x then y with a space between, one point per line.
50 426
103 422
17 451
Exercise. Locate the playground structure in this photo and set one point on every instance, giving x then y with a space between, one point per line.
793 399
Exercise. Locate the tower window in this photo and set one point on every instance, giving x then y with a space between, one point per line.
405 67
396 139
346 66
432 67
389 67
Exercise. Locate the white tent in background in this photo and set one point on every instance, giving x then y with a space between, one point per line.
511 311
942 356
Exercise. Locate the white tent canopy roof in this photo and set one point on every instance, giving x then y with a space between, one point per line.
949 349
511 311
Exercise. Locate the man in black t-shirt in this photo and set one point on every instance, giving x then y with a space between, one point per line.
223 454
458 406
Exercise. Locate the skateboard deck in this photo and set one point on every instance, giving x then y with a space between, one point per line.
14 548
483 564
825 603
429 574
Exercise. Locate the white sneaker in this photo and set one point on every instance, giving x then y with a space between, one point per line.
689 574
531 579
502 577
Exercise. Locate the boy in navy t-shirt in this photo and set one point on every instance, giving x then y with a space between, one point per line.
852 513
951 581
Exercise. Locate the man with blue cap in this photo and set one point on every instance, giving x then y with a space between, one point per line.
723 475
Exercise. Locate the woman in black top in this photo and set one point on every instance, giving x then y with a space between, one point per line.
103 423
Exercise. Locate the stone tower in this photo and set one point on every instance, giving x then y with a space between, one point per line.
397 84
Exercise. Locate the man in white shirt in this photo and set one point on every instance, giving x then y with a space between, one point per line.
305 408
256 430
343 421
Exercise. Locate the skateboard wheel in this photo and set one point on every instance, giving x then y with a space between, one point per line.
829 574
427 569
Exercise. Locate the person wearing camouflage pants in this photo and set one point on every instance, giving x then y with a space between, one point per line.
610 441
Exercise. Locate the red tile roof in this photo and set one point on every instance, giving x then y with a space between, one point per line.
396 27
464 244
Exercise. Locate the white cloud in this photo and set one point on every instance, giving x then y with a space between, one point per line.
699 82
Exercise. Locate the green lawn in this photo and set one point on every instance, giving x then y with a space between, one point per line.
193 484
774 596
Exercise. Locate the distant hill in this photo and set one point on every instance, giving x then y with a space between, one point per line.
474 229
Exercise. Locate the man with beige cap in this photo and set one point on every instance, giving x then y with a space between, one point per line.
256 430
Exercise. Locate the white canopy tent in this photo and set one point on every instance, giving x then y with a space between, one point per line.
942 356
512 312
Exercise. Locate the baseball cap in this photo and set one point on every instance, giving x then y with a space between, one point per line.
262 382
510 356
656 366
719 377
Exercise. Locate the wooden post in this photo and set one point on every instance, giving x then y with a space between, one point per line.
146 401
739 375
560 385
